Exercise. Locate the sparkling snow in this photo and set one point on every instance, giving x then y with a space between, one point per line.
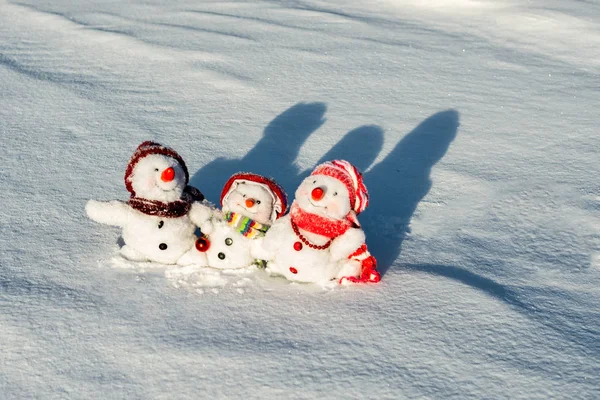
475 121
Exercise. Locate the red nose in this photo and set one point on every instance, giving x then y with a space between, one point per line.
168 175
317 193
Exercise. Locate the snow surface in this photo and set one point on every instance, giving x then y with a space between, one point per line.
475 121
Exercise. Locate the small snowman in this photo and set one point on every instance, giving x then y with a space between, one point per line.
250 203
156 220
321 240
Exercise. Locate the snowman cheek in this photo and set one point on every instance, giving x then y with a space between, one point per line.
150 183
303 192
333 207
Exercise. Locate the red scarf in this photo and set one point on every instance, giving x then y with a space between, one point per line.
174 209
317 224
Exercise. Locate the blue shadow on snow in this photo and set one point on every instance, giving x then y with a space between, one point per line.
396 184
273 155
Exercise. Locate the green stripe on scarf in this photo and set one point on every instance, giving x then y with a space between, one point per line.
246 227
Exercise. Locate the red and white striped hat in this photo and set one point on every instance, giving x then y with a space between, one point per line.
350 176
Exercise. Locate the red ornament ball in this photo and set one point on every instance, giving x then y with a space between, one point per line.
297 246
202 244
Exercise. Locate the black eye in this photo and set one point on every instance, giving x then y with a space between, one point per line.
257 201
156 169
335 193
160 224
244 196
229 241
314 182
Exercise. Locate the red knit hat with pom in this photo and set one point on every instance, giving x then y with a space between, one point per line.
350 176
145 149
280 205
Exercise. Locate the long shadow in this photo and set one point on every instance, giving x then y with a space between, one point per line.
272 156
481 283
571 324
398 183
367 138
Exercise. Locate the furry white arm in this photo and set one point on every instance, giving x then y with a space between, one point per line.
264 248
115 213
346 244
258 251
349 268
201 214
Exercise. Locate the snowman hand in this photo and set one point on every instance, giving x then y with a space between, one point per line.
272 239
346 244
207 227
348 269
258 251
115 213
200 214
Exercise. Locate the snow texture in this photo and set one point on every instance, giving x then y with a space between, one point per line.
475 121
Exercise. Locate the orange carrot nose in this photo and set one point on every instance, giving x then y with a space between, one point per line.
317 193
168 175
250 203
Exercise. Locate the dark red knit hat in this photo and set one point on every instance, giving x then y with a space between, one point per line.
146 149
281 197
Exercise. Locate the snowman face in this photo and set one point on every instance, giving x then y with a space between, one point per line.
251 200
158 177
323 195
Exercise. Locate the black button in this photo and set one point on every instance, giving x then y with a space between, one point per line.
162 246
160 224
229 241
221 256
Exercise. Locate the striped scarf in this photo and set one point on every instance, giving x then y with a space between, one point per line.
246 226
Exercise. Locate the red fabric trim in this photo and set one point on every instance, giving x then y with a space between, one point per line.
248 176
317 224
368 274
147 148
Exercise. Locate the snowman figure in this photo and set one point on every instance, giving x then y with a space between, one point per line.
250 204
321 239
157 219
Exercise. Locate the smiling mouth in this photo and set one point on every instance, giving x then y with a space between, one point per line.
246 208
166 190
317 206
158 185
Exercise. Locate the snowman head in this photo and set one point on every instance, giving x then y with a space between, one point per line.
335 190
254 196
156 173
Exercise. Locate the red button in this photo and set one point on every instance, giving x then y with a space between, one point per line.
293 270
297 246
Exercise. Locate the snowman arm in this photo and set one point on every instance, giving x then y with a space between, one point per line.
115 213
258 251
349 268
265 248
201 214
346 244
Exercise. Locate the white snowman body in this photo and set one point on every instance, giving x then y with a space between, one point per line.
229 248
162 239
304 256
